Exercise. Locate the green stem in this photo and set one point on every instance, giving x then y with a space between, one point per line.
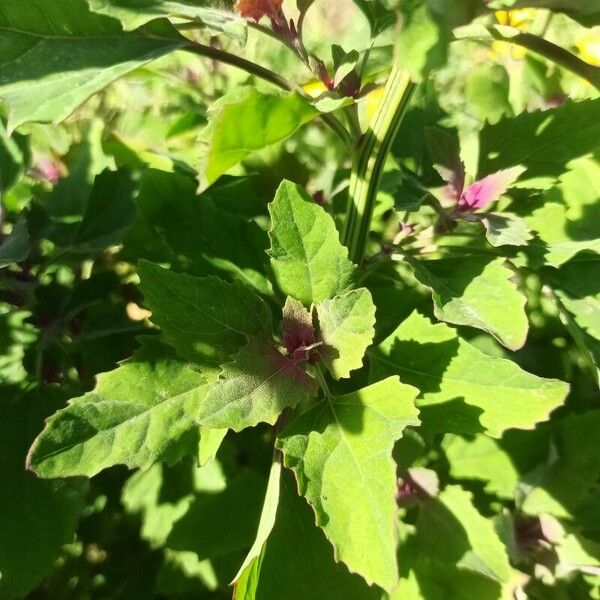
534 43
369 162
263 73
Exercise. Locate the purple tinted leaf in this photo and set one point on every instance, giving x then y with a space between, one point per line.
298 333
483 192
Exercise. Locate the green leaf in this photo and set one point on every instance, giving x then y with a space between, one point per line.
251 121
204 318
204 239
36 517
499 463
309 262
346 328
296 563
569 220
476 291
108 214
451 530
255 388
15 247
341 452
214 14
505 229
141 413
543 141
463 390
578 287
568 479
87 53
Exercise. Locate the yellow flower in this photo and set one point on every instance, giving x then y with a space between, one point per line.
314 88
256 9
520 18
589 46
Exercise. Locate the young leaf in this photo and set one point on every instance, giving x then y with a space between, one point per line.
204 318
297 330
346 328
255 388
37 517
341 452
476 291
309 262
15 247
87 51
463 390
140 413
296 562
451 530
252 121
482 193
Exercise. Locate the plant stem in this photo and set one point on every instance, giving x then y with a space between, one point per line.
536 44
263 73
370 160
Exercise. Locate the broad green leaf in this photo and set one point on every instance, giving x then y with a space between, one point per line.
341 452
15 247
569 220
214 14
499 463
267 518
476 291
309 262
204 240
204 318
346 328
108 214
505 229
451 530
251 121
296 562
578 293
543 141
567 482
578 287
141 413
463 390
55 56
36 517
255 388
425 577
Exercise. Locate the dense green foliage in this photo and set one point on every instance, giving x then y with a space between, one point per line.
300 301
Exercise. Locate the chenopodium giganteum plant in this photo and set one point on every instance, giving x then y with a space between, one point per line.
384 333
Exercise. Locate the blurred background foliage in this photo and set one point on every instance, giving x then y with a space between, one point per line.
70 308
